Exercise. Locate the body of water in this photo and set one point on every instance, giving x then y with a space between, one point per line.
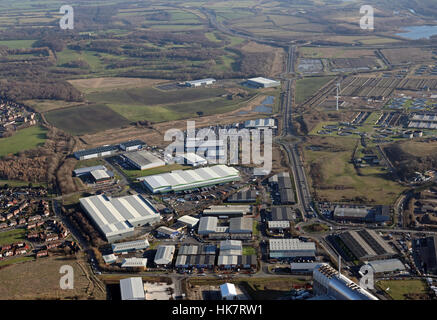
418 32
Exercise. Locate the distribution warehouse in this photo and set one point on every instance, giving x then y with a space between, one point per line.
189 179
117 217
143 160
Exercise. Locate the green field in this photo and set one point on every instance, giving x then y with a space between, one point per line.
17 44
397 289
307 87
77 120
134 174
247 251
24 139
12 236
15 260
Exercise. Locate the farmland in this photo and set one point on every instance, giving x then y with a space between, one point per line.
305 88
404 289
24 139
77 120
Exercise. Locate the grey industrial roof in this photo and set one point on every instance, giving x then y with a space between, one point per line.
287 196
243 196
143 158
100 174
134 263
359 212
240 225
197 250
208 224
227 210
164 254
87 152
189 220
166 230
194 260
132 289
116 215
87 170
290 245
130 245
283 214
390 265
278 224
133 143
365 244
185 179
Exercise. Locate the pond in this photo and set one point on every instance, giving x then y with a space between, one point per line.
418 32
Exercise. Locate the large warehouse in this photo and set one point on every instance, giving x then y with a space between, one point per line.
227 211
291 248
366 245
117 217
261 82
132 289
143 160
180 180
96 152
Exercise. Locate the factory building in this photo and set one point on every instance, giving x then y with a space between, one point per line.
130 246
331 285
132 145
109 258
134 263
362 214
282 214
200 83
387 267
231 248
116 217
143 160
191 159
248 196
261 82
96 152
164 255
211 150
241 225
291 248
132 289
366 245
87 170
303 267
101 176
167 232
207 225
180 180
287 196
278 226
189 221
196 261
191 249
227 211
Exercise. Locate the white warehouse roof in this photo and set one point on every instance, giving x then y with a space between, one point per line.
116 217
264 81
390 265
134 263
164 255
132 289
260 123
189 220
208 225
290 245
144 160
189 179
228 290
131 245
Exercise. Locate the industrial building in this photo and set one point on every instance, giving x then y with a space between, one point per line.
109 258
191 249
130 246
134 263
331 285
132 289
226 211
95 152
97 174
200 82
143 160
164 255
287 196
278 226
423 121
228 291
191 159
268 123
365 214
180 180
248 196
207 225
364 245
303 267
189 221
101 176
385 267
132 145
116 217
234 261
196 261
282 214
261 82
291 248
426 249
167 232
231 248
87 170
241 225
211 150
